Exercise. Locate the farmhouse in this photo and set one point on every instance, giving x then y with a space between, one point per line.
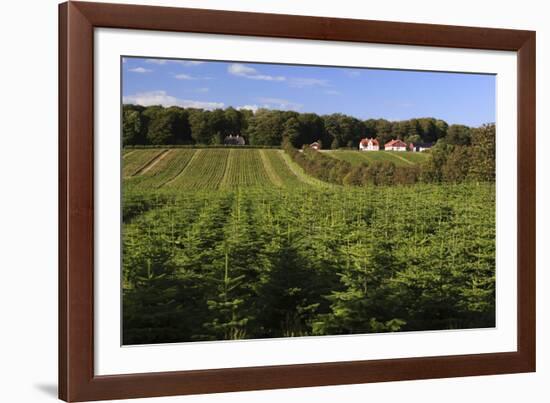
420 146
234 140
315 145
369 145
395 145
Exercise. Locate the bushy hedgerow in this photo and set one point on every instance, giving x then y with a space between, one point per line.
447 163
340 172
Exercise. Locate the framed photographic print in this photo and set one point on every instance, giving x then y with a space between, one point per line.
256 201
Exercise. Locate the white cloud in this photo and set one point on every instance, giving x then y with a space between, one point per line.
279 103
184 76
156 61
307 82
181 62
162 98
140 70
252 108
241 70
188 62
272 103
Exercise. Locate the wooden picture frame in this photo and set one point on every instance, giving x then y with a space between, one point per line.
77 21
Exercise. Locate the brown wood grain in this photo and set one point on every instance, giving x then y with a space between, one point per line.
77 21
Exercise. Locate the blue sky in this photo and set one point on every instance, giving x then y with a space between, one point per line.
364 93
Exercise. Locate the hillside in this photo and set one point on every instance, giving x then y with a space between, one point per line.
213 168
398 158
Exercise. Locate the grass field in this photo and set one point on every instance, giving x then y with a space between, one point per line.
398 158
223 244
209 169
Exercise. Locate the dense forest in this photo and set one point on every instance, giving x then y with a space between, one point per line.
157 125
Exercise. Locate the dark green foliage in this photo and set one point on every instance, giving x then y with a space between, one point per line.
291 132
266 127
358 176
458 135
345 131
483 153
175 125
201 131
312 128
169 126
133 126
332 170
265 262
456 163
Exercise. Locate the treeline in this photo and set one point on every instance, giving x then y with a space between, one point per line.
157 125
448 163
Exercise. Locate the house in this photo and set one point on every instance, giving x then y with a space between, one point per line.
315 145
369 145
420 146
234 140
395 145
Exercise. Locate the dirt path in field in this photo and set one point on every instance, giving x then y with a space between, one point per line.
147 167
271 173
402 159
128 153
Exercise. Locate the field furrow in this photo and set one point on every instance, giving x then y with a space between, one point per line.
154 162
162 171
288 178
135 161
205 171
270 169
245 168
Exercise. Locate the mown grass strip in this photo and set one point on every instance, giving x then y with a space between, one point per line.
270 170
398 158
395 155
146 168
277 162
300 174
135 162
163 171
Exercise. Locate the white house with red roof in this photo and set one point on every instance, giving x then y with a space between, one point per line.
315 145
369 145
395 145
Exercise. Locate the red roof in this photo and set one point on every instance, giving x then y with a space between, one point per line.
365 141
395 143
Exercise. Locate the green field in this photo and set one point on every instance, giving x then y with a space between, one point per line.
225 244
209 169
398 158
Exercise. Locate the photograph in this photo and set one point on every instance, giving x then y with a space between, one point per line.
268 200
